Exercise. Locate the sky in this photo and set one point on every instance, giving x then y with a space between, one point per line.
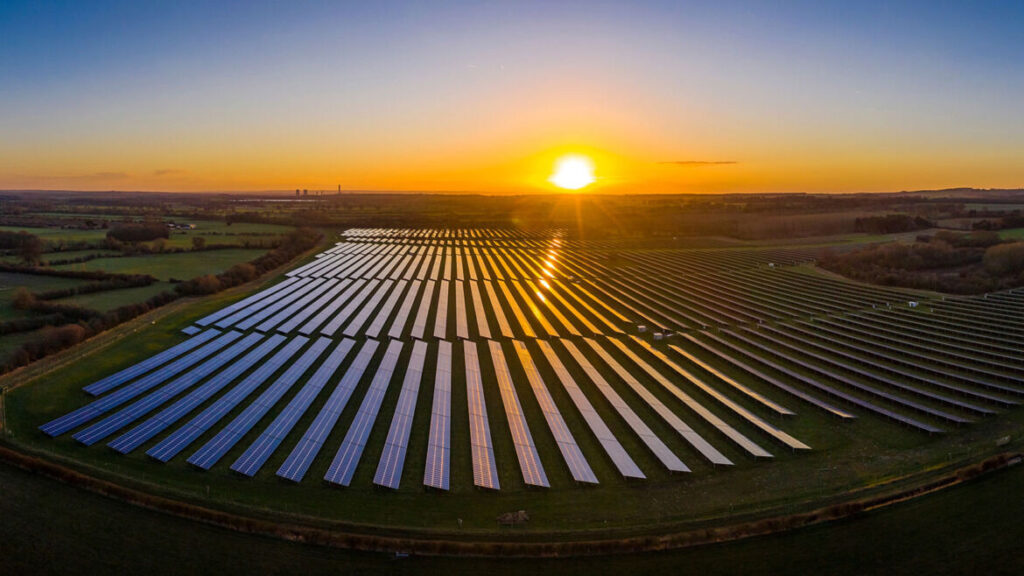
664 97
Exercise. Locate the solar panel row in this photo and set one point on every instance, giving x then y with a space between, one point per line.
392 459
298 462
215 449
250 462
115 380
86 413
168 416
436 472
343 467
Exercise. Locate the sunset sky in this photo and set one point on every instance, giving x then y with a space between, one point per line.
485 96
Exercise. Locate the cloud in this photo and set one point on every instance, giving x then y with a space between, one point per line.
699 163
108 175
168 172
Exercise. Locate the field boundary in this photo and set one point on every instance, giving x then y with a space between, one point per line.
424 545
43 366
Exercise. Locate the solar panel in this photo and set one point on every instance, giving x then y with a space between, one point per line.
295 466
250 462
115 380
261 304
301 315
256 318
660 450
332 326
228 310
398 324
182 437
503 325
526 450
191 330
214 450
357 322
86 413
190 401
773 381
419 324
483 330
517 311
685 431
139 408
373 330
535 310
461 321
351 450
441 318
298 305
329 310
436 472
392 459
571 453
485 471
625 465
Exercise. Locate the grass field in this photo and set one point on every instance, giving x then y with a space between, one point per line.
213 231
10 281
110 299
49 527
1013 234
182 266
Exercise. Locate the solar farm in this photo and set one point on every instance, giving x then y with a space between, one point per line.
493 361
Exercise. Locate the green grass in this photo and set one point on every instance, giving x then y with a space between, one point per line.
182 266
50 527
58 234
10 281
110 299
214 231
1012 234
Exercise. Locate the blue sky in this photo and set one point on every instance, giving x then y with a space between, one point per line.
457 95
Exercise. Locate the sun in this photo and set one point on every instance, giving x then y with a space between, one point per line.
573 172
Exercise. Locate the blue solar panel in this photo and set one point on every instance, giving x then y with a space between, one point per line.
139 408
392 461
295 466
257 306
351 449
219 445
86 413
180 439
436 472
168 416
353 327
331 327
296 306
257 454
331 308
253 319
115 380
243 303
300 316
191 330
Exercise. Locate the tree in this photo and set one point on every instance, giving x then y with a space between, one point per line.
31 250
198 242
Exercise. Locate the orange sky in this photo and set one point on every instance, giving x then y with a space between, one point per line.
663 98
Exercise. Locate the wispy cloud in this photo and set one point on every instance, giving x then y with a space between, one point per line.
699 163
168 172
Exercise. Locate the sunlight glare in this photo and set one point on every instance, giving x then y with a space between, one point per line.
573 172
